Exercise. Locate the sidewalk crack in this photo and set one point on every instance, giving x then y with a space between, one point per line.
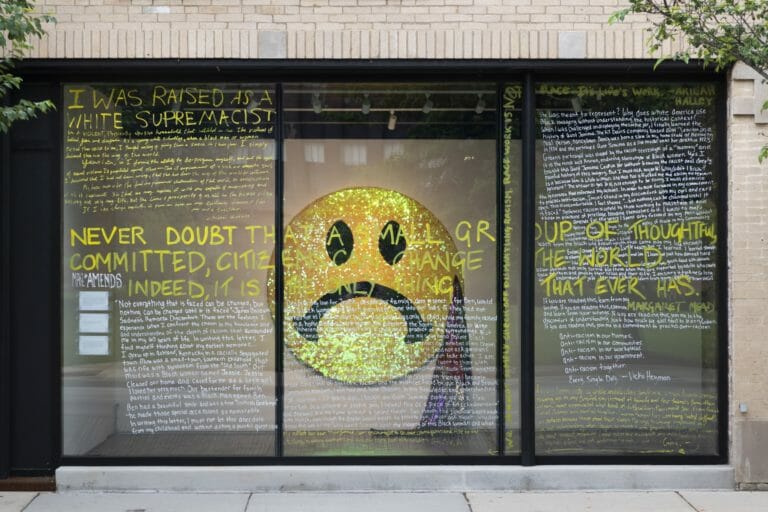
685 500
248 502
466 498
30 502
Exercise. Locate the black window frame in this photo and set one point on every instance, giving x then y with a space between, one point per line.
54 73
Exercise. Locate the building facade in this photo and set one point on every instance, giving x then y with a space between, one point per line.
564 265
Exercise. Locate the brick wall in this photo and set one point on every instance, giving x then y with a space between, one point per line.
748 262
450 29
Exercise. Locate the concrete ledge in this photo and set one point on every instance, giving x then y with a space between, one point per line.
392 478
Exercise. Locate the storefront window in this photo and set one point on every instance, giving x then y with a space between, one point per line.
626 246
168 341
337 269
390 269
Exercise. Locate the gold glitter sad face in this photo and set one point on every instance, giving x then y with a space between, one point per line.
369 279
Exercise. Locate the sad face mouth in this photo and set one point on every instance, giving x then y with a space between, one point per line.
418 329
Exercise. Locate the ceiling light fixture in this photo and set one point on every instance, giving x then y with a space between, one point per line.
576 104
427 108
392 120
480 107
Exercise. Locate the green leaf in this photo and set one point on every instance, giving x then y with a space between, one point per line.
619 16
19 24
719 32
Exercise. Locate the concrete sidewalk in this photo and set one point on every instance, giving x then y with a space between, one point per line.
602 501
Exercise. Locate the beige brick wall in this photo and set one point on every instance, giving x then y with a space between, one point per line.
748 262
450 29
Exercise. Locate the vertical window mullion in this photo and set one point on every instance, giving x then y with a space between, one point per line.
527 420
500 244
721 276
279 394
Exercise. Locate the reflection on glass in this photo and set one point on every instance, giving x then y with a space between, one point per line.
390 270
626 244
168 344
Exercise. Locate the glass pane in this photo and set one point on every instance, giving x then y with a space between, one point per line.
390 269
168 228
626 231
511 174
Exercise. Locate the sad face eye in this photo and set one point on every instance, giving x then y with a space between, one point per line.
339 242
392 242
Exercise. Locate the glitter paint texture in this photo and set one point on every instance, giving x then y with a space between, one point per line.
362 340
